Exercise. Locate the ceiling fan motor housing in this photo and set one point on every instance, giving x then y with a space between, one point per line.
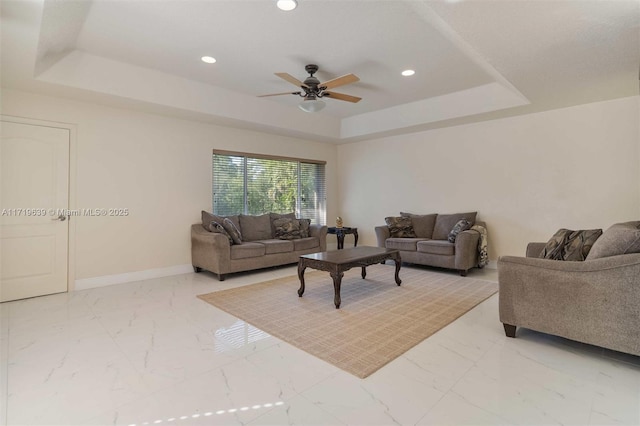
311 82
313 89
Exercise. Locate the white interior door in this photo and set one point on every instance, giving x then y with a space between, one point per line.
34 189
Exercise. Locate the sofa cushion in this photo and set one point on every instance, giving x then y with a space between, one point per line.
570 245
446 222
405 244
400 227
437 247
273 246
461 225
275 216
232 230
217 228
255 227
287 229
246 250
306 243
423 224
621 238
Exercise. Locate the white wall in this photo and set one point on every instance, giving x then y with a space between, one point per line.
156 166
526 176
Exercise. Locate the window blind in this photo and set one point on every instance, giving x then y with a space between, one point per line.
250 184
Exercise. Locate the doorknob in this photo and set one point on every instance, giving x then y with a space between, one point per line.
61 218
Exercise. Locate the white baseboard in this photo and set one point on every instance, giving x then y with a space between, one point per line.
105 280
493 264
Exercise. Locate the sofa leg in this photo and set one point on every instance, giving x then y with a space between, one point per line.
197 269
221 277
463 272
509 330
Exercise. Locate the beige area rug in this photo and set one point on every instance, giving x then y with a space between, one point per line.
377 320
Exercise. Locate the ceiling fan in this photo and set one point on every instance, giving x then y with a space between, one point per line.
313 90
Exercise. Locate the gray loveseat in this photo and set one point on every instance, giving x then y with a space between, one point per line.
215 252
430 246
595 301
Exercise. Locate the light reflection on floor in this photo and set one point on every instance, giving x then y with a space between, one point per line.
211 413
238 335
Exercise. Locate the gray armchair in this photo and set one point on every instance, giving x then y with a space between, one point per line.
593 301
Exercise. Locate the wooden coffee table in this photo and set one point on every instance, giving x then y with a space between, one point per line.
338 261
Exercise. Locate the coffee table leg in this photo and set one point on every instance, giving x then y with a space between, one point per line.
337 281
364 272
398 263
301 269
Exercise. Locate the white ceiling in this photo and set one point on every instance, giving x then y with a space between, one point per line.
474 59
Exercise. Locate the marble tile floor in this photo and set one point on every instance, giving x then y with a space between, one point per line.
150 352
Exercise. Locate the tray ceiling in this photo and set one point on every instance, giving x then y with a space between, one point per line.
474 60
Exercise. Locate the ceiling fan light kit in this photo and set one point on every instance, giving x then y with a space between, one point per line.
311 105
313 89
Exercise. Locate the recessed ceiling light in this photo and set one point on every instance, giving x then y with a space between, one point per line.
407 73
208 59
287 5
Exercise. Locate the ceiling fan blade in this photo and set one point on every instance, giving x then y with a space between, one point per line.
278 94
291 79
340 81
342 97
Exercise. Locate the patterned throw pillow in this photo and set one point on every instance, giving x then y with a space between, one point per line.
232 230
287 228
570 245
423 224
275 216
216 228
461 225
400 227
304 228
207 218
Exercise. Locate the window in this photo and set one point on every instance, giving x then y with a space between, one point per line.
254 184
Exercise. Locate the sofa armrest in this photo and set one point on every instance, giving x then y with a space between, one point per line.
594 301
319 231
534 249
466 250
382 233
210 250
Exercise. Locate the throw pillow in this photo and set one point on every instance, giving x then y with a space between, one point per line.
232 230
207 218
570 245
461 225
287 228
304 228
400 227
423 224
215 227
275 216
446 222
621 238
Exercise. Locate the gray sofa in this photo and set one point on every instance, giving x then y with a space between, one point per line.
430 246
215 252
595 301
